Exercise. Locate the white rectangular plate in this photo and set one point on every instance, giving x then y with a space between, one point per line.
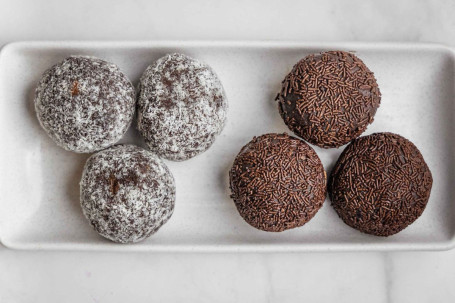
39 182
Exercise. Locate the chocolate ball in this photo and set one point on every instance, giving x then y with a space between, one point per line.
127 193
329 99
277 182
85 104
182 107
380 184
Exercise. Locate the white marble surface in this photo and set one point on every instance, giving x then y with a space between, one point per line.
116 277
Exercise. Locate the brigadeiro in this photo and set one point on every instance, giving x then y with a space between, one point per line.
329 99
127 193
380 184
85 104
277 182
182 107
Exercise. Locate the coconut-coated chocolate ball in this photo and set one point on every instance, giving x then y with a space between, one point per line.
182 107
127 193
85 104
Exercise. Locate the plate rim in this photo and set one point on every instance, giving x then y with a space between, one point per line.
228 248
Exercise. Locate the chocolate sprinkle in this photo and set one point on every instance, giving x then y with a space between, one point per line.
380 184
75 90
329 99
277 182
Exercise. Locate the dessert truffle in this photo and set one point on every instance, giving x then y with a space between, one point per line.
181 107
329 99
277 182
127 193
380 184
85 104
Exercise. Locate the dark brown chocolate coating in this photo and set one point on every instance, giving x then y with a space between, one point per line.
277 182
380 184
329 99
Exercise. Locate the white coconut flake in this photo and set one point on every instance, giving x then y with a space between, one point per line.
182 107
127 193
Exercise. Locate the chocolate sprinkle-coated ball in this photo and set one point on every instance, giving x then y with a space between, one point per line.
329 99
380 184
85 104
181 107
127 193
277 182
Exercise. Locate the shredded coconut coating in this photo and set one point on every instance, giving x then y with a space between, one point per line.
85 104
127 193
182 107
